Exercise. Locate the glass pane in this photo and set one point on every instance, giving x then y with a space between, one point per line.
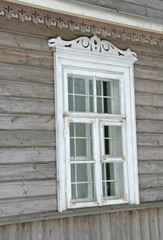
91 107
80 93
70 84
80 129
106 88
79 85
112 180
109 90
72 148
73 190
107 105
80 104
99 105
113 141
73 177
70 103
82 190
90 87
81 149
81 141
98 88
82 176
82 173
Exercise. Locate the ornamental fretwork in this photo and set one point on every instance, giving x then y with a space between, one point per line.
93 44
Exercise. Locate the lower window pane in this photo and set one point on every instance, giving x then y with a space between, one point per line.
112 180
82 182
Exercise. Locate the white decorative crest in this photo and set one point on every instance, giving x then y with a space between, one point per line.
93 44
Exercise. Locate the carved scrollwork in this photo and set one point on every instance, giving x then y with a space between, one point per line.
93 44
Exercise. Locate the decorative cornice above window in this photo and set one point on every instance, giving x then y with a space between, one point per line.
26 14
93 44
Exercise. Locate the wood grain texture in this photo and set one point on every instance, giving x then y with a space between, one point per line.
22 171
125 225
26 155
33 205
27 139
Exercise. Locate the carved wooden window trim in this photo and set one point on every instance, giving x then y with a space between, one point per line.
83 56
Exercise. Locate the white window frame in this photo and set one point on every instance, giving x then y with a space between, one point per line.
90 57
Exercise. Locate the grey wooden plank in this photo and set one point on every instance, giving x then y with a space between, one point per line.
27 172
125 225
13 72
27 139
26 155
94 227
148 3
153 224
26 122
22 231
149 61
148 153
105 231
25 57
26 106
23 189
27 206
58 229
149 112
70 228
83 228
144 9
151 195
150 139
143 72
134 225
150 167
150 181
160 225
148 99
149 86
144 225
8 232
36 230
48 230
151 126
19 41
29 90
115 226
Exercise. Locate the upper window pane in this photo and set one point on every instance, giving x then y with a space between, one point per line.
91 94
108 96
80 93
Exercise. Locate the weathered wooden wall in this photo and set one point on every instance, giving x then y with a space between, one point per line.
27 132
126 225
147 8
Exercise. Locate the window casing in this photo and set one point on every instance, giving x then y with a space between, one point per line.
95 125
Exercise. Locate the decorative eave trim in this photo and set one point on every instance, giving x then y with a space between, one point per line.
93 44
26 14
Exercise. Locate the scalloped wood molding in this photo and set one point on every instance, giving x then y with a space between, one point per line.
24 13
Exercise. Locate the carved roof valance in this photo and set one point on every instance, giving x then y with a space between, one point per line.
93 44
24 13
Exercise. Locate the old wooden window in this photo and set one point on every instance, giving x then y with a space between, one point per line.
95 123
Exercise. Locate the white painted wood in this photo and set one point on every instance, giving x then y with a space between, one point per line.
93 44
